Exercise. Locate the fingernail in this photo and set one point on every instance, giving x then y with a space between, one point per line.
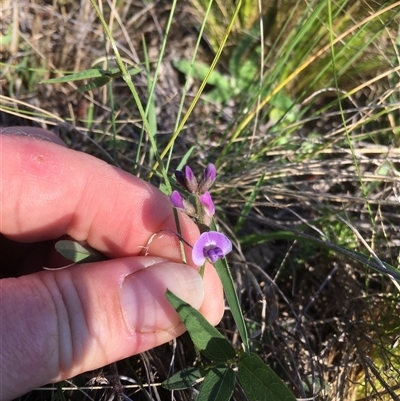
143 300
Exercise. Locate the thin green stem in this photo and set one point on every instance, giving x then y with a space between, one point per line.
127 78
202 86
349 140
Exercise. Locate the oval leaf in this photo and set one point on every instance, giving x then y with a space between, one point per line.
217 385
206 338
94 84
259 381
78 253
88 74
183 379
199 70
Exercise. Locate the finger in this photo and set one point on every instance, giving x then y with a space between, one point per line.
48 191
78 319
33 132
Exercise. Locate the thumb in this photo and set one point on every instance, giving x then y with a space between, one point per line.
77 319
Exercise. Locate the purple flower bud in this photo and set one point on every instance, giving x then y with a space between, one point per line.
182 204
187 179
176 200
207 204
191 180
209 176
212 246
207 208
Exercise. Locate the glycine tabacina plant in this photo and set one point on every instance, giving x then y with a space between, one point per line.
211 245
257 379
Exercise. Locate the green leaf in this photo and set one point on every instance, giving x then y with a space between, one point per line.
218 385
78 76
185 158
164 189
258 239
222 268
259 381
6 38
199 71
223 89
219 95
89 74
183 379
247 73
249 204
94 84
206 338
78 253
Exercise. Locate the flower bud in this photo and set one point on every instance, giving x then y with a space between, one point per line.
182 204
187 179
207 208
176 200
209 176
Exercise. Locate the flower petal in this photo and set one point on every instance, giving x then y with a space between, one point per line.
207 203
214 254
211 245
222 241
187 179
177 200
191 180
180 177
198 255
210 173
209 176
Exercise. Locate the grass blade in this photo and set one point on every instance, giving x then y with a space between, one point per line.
231 295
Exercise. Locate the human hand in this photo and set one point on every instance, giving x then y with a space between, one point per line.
56 324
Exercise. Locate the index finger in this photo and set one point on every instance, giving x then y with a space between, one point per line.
47 191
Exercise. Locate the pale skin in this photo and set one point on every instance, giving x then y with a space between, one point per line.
55 324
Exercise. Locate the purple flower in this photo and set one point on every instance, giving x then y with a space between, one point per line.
207 208
212 246
181 203
207 204
209 176
187 179
176 200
